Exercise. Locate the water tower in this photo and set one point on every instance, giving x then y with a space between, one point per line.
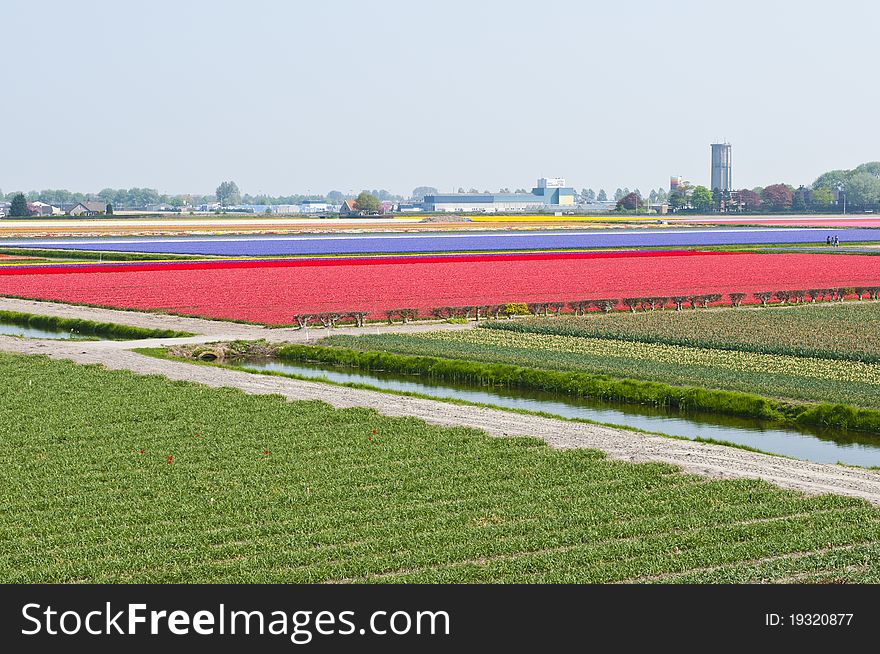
721 167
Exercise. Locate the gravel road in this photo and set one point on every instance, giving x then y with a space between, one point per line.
693 457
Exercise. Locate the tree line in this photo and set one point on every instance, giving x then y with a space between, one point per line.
859 187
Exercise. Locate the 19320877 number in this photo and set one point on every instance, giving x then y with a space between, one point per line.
820 619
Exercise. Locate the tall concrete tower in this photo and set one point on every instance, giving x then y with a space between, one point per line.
721 167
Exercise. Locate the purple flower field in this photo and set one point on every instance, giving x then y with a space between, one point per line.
263 246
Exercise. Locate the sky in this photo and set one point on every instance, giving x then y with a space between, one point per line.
303 96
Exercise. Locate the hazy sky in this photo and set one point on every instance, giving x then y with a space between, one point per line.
289 96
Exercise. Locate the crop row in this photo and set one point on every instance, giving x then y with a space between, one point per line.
813 380
849 371
264 490
845 331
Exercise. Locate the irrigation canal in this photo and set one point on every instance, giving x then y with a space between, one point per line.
33 332
798 442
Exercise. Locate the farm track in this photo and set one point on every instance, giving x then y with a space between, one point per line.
693 457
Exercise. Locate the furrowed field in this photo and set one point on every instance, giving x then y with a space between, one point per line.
193 484
834 331
775 376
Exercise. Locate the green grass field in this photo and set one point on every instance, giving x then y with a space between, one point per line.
836 330
264 490
774 376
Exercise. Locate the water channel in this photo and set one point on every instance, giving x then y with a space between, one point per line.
853 448
34 332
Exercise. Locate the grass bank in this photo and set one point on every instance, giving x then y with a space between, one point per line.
86 327
836 416
96 255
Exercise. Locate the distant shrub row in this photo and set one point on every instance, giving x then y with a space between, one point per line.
581 307
330 319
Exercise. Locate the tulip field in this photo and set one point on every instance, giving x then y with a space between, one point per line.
223 487
770 375
829 330
272 292
455 241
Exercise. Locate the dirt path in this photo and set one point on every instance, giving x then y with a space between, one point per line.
693 457
206 330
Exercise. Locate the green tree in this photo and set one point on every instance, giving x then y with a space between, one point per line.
383 194
831 180
19 207
680 198
109 210
333 197
227 193
822 197
107 195
367 203
602 196
862 188
701 198
419 192
871 167
618 195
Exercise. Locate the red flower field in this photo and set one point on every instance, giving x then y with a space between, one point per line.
271 292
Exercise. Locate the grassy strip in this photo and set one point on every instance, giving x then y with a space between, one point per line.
263 490
86 327
97 255
837 416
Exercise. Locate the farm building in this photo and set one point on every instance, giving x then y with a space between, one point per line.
348 208
88 208
548 193
38 208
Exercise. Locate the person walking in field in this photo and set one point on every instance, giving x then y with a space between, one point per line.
828 240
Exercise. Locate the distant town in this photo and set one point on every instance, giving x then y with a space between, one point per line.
855 190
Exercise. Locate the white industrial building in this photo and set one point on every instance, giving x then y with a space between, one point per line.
550 192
